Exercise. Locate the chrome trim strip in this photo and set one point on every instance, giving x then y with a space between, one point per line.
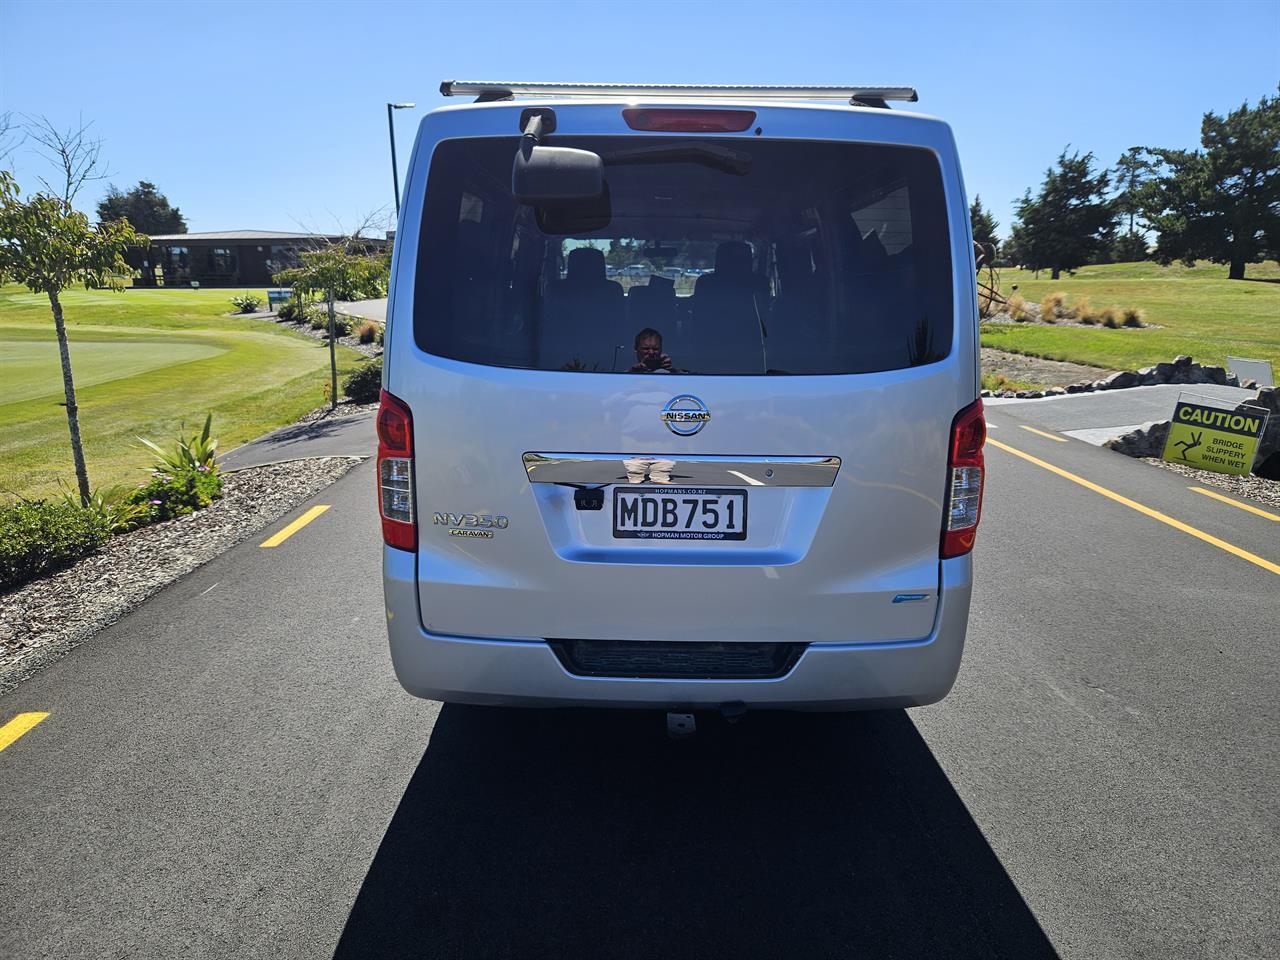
589 469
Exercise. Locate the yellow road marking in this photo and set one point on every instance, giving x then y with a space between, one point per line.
1236 503
291 529
1042 433
19 725
1134 505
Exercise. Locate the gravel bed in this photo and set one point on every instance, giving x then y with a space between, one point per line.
345 410
1037 370
1262 491
42 620
368 349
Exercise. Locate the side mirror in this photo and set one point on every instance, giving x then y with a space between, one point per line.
556 173
552 173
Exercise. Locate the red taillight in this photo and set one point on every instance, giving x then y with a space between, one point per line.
395 474
964 481
689 121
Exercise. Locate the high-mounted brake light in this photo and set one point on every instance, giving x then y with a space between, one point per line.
395 473
964 481
689 121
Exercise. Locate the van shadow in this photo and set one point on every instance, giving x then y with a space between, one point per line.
590 834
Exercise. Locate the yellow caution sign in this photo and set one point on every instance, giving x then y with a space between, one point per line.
1225 441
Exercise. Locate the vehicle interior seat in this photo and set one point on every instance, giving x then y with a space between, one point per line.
724 335
654 305
583 316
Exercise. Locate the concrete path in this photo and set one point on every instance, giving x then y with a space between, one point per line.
367 309
1097 417
338 437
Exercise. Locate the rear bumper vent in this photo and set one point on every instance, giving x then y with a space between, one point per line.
677 661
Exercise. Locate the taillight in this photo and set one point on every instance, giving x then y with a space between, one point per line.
395 473
964 481
689 121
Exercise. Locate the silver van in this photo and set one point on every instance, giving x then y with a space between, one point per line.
680 402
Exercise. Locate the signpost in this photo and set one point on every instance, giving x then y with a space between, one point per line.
1259 371
276 298
1211 438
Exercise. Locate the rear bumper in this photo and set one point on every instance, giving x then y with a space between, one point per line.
828 676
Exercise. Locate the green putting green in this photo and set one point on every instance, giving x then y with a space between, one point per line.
147 363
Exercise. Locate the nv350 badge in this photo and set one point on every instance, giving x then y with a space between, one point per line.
479 525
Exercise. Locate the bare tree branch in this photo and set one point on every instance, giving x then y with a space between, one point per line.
11 135
72 152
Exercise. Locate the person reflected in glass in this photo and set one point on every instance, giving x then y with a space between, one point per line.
649 355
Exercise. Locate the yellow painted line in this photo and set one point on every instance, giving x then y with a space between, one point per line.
1236 503
1134 505
19 725
1042 433
276 539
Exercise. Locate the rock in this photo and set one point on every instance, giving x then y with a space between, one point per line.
1164 372
1146 441
1182 360
1249 384
1055 392
1121 381
1146 372
985 393
1216 375
1197 375
1034 394
1234 381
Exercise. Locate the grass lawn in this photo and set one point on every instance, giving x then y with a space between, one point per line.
146 363
1199 313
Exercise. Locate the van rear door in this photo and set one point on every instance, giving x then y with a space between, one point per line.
776 470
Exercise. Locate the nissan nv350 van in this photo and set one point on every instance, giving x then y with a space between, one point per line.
680 401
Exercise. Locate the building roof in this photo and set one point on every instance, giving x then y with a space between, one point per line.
249 235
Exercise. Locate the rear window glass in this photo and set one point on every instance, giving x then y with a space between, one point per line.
777 257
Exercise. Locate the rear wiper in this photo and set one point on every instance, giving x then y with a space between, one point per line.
715 155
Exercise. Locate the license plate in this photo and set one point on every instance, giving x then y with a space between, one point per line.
680 513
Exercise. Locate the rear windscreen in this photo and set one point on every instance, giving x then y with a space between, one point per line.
732 257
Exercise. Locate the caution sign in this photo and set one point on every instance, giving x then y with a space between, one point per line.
1225 441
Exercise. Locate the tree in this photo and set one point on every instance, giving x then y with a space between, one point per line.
335 272
1221 203
11 135
1070 222
73 153
1132 174
983 223
48 246
144 206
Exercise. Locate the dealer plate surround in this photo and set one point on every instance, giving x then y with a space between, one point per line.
679 513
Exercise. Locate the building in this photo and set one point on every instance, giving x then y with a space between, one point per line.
228 258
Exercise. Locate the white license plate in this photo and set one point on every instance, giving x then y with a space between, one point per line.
679 513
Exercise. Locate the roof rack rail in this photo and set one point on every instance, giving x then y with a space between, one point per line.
489 90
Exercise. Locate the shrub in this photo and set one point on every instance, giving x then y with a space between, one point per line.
1084 311
40 536
178 493
247 302
1017 308
1133 317
200 451
365 384
1051 307
114 505
295 311
368 331
382 335
1109 317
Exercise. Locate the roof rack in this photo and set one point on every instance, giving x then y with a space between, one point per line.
489 90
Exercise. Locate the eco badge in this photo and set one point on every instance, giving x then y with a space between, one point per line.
1225 441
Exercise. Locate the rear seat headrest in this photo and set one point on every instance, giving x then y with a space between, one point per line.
733 259
585 264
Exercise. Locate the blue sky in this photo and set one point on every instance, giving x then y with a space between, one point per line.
271 115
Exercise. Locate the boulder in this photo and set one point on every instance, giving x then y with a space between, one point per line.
1055 392
1196 374
1216 375
1121 381
1164 372
1182 360
1146 441
985 393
